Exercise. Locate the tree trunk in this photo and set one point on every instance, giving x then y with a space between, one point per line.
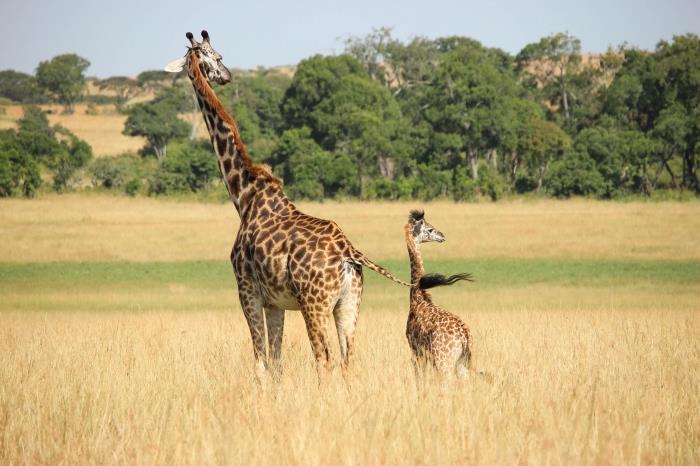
564 97
493 159
360 179
691 174
514 165
540 176
674 180
160 149
473 159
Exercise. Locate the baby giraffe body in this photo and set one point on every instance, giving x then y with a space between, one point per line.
436 337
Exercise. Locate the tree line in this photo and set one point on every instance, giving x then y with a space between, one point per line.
430 118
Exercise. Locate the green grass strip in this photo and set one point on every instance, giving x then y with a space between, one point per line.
488 272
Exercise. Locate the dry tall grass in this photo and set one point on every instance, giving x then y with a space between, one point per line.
103 228
177 388
592 373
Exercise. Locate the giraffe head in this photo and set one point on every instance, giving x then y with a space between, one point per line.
422 231
208 58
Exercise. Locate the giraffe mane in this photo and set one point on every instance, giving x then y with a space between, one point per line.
258 170
416 215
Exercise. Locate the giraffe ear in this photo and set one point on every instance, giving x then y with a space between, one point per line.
175 66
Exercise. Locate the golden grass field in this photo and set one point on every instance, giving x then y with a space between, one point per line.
159 370
103 131
102 228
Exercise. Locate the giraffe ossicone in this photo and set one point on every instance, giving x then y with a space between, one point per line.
282 258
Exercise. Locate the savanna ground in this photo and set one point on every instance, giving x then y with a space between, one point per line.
121 339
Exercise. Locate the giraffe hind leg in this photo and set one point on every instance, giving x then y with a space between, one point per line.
316 320
346 312
274 320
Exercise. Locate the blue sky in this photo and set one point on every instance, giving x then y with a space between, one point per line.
128 36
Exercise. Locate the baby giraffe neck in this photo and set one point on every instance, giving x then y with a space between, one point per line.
414 255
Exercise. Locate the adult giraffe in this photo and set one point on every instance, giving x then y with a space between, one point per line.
282 258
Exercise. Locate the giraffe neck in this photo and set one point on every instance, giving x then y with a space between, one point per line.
414 255
241 176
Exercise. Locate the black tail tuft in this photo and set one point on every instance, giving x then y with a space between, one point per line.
432 280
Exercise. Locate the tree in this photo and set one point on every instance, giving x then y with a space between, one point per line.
678 63
158 122
154 80
123 86
467 102
73 153
255 102
372 51
308 170
19 171
554 65
20 87
316 78
62 77
658 94
542 142
361 120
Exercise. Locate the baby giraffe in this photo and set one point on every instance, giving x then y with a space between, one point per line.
435 336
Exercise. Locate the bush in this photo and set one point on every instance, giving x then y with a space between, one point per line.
187 168
116 172
432 183
574 175
525 183
19 171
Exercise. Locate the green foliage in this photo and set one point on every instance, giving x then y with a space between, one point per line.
189 168
158 122
20 87
62 77
574 175
255 101
36 136
73 154
309 171
37 143
19 171
121 172
429 118
316 79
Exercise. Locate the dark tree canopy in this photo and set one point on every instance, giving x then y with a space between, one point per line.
63 78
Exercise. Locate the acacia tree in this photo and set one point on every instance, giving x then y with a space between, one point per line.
20 87
158 122
62 77
123 86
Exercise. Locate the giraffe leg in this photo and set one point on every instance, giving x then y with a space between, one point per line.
316 320
345 314
253 312
274 318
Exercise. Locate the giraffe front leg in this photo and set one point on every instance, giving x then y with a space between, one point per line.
274 318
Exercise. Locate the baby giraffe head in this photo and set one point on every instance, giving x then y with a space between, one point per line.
422 231
209 60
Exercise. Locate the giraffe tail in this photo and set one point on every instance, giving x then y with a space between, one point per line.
358 258
432 280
